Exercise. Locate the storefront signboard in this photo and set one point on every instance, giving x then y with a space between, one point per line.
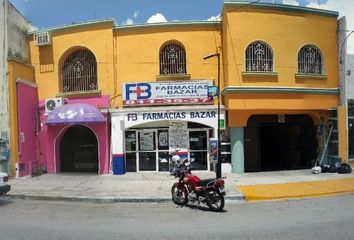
178 132
167 93
207 117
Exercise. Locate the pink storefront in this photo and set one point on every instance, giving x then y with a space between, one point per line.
74 137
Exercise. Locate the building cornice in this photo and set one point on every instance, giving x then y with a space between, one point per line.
239 4
75 25
234 89
194 24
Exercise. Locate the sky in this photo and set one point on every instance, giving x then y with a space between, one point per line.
51 13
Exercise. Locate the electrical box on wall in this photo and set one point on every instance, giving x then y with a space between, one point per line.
4 150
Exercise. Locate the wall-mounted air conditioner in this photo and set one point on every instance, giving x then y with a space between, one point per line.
42 39
53 103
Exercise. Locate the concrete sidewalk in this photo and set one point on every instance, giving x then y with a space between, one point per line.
130 187
293 184
156 187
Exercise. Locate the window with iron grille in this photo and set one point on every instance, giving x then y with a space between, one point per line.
172 59
310 60
259 57
79 72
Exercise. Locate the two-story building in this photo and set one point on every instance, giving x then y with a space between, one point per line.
116 99
280 76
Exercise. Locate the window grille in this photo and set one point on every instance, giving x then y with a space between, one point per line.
79 72
172 59
310 60
259 57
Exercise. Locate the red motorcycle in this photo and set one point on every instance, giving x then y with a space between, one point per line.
191 188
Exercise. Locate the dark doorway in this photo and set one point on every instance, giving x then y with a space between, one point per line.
274 146
79 150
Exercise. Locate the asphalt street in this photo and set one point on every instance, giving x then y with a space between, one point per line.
316 218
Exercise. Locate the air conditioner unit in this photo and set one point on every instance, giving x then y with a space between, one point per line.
53 103
42 39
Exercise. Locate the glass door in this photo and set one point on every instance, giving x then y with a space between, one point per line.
130 151
351 137
147 150
198 149
163 147
351 128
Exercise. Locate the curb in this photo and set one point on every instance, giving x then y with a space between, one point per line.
233 198
305 196
298 190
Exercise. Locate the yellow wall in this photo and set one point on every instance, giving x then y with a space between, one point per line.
137 53
125 55
286 32
25 72
46 59
239 118
278 101
131 54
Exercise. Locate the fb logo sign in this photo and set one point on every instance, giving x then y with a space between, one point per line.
132 116
137 91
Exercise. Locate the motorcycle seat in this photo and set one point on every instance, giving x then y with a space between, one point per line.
205 182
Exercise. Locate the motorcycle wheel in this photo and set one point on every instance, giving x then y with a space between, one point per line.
215 200
179 195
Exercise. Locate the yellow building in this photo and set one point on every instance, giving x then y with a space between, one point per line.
164 101
280 76
154 85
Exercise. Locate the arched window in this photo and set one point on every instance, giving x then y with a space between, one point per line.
79 72
259 57
172 59
310 60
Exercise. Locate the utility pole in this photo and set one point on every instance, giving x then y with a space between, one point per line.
4 93
218 165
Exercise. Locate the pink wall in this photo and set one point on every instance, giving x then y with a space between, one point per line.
99 102
27 101
50 137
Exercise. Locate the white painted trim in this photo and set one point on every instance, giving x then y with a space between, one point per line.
26 82
117 112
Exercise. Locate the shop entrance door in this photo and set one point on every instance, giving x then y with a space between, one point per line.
147 150
198 149
79 150
351 137
351 129
271 145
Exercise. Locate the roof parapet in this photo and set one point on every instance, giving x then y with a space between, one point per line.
170 24
280 7
75 25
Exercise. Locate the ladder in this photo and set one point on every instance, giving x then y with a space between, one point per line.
327 137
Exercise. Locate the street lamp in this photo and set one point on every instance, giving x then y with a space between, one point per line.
341 47
218 164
